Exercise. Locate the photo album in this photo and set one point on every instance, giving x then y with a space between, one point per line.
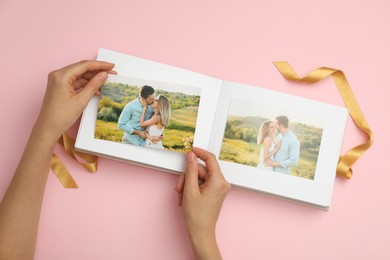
265 141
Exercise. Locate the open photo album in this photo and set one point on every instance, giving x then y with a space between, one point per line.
151 113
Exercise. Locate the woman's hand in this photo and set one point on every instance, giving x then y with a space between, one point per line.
202 191
152 138
143 102
68 92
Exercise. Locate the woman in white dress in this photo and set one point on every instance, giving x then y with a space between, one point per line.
157 123
269 146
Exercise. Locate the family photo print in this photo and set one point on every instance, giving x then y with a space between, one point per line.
147 113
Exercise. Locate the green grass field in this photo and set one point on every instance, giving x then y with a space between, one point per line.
180 129
185 117
241 152
108 131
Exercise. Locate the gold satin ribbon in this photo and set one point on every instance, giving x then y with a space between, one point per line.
344 167
59 168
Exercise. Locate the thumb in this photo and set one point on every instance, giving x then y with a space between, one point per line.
93 85
191 173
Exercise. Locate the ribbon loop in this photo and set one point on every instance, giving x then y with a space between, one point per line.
63 175
59 168
344 167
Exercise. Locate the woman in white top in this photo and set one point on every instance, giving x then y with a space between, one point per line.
157 123
269 146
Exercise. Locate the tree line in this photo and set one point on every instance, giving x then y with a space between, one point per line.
247 129
115 96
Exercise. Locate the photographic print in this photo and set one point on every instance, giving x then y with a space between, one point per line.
147 113
236 122
272 137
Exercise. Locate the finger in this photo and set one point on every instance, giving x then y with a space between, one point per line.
201 177
80 83
82 67
180 184
180 199
209 158
202 172
112 72
92 87
179 189
191 173
90 74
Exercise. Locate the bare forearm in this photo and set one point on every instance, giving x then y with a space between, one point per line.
205 246
21 205
270 154
67 93
142 120
140 133
273 163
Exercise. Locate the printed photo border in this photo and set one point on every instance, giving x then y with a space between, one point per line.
121 93
252 136
317 192
135 67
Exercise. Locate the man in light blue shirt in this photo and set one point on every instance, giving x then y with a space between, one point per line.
288 154
129 120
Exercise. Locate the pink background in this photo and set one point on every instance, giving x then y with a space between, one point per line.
128 212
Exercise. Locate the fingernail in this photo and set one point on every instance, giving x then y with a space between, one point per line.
190 156
103 75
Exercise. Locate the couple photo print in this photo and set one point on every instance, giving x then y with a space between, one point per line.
273 138
147 113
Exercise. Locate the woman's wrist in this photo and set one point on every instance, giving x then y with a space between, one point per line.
204 245
46 133
202 236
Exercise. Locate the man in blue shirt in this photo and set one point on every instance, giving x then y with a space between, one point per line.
129 120
288 154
